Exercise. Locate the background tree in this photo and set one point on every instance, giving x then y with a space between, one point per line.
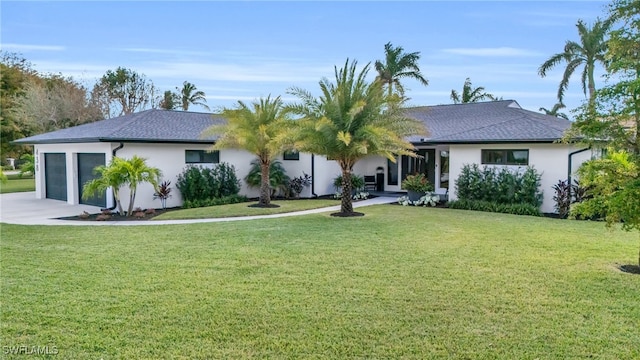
169 100
190 95
350 120
590 50
555 111
398 65
614 115
122 91
470 94
54 102
15 71
260 129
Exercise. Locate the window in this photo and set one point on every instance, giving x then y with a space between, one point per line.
291 155
505 157
201 157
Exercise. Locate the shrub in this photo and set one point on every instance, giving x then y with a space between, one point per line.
489 206
297 184
562 198
357 182
197 183
417 183
499 186
278 179
231 199
163 192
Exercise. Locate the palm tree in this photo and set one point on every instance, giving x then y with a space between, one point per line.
470 94
591 49
260 129
398 65
118 173
137 171
350 120
110 176
189 94
555 111
169 100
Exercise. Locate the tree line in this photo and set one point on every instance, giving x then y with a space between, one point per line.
33 103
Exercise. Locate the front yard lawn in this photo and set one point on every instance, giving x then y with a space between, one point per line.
16 184
243 209
400 282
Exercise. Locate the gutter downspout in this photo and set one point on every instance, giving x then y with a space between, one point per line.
313 176
113 153
571 164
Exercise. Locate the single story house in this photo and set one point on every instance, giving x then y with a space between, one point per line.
496 133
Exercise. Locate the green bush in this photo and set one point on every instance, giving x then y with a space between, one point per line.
230 199
197 183
357 182
489 206
500 186
278 179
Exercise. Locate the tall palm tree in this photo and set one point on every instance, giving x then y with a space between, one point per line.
121 172
398 65
260 129
588 51
190 95
555 111
350 120
470 94
169 100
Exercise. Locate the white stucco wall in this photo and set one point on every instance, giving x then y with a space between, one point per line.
70 151
170 159
550 160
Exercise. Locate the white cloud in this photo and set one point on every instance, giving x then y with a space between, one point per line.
164 51
28 47
495 52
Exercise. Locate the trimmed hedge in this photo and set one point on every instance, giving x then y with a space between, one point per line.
500 186
480 205
199 184
231 199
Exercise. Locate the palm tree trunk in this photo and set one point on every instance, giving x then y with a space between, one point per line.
346 206
592 84
132 199
116 195
265 188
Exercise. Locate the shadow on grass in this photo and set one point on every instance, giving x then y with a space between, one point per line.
630 269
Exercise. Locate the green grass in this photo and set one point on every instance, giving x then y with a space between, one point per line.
17 184
243 209
400 282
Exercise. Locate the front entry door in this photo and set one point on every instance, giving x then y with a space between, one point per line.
424 164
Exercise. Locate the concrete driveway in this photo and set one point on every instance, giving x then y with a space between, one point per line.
24 209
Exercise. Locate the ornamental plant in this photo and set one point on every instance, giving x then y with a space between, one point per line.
417 183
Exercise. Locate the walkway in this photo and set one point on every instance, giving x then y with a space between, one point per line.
24 209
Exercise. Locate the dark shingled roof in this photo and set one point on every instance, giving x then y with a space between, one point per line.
495 121
145 126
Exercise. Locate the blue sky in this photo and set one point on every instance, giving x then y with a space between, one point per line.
243 50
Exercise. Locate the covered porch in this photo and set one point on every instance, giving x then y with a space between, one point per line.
382 175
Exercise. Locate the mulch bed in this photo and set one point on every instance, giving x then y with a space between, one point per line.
117 217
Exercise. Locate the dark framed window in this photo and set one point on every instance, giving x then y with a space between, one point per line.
291 155
505 157
201 157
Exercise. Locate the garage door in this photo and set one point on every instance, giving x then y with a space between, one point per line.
55 174
86 163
